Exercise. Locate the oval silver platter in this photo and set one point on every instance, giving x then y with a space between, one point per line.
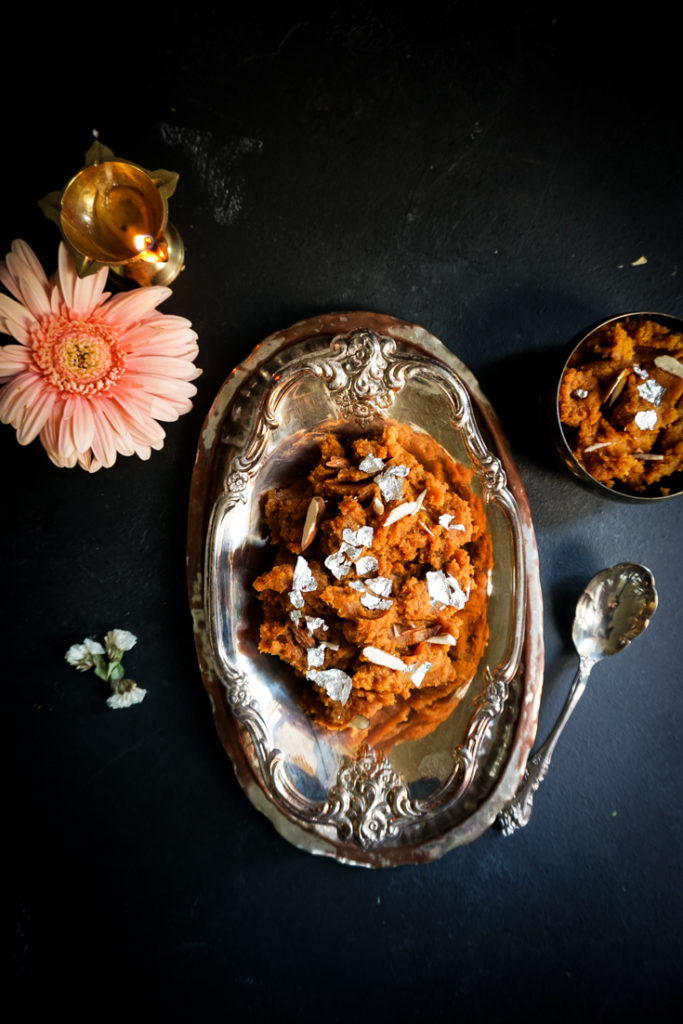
348 373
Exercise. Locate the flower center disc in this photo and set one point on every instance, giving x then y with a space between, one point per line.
78 356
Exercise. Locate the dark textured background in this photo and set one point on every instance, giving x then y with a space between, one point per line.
492 173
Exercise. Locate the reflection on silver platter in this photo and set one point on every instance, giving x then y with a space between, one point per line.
348 374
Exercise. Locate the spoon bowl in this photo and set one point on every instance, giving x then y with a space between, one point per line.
615 607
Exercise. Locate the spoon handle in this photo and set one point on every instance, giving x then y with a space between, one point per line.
517 813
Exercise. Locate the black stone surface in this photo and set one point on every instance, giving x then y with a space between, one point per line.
491 173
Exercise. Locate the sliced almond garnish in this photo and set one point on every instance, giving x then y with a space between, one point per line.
425 527
670 365
338 462
647 455
408 508
378 506
617 387
442 638
356 488
417 674
313 513
462 690
359 722
594 447
415 636
378 657
446 521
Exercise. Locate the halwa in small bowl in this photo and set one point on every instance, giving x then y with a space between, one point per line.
618 408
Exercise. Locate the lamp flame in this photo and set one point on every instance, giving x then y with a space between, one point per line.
151 251
143 243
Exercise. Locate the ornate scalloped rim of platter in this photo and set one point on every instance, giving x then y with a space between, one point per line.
368 805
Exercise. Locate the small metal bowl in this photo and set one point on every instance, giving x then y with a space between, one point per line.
618 491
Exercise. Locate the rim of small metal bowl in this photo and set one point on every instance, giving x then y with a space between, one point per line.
564 451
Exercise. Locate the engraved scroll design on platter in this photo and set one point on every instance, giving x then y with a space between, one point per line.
358 374
369 801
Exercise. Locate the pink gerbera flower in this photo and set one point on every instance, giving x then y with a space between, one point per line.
90 375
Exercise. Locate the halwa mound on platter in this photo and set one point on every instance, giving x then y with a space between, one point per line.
621 404
377 596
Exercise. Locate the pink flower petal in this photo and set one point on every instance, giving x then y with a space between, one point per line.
162 366
160 345
35 297
54 455
87 291
13 359
172 348
49 443
160 408
114 415
142 452
9 282
83 425
171 322
103 446
162 387
133 306
124 445
140 425
117 421
15 395
12 316
148 438
66 445
27 256
66 275
23 275
38 411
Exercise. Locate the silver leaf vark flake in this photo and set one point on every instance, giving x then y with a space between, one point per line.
337 684
390 482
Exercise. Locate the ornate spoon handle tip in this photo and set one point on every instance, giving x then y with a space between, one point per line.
518 811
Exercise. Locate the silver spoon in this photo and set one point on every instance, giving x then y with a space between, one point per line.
615 607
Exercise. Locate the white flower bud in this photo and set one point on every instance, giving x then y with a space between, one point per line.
117 641
125 694
82 656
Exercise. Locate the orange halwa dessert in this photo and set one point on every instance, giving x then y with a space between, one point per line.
621 404
377 598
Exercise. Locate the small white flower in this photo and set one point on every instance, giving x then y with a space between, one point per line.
93 646
117 641
82 656
91 654
126 693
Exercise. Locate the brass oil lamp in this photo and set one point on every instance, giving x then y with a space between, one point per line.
114 214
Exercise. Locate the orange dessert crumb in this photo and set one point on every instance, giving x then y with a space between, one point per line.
377 597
